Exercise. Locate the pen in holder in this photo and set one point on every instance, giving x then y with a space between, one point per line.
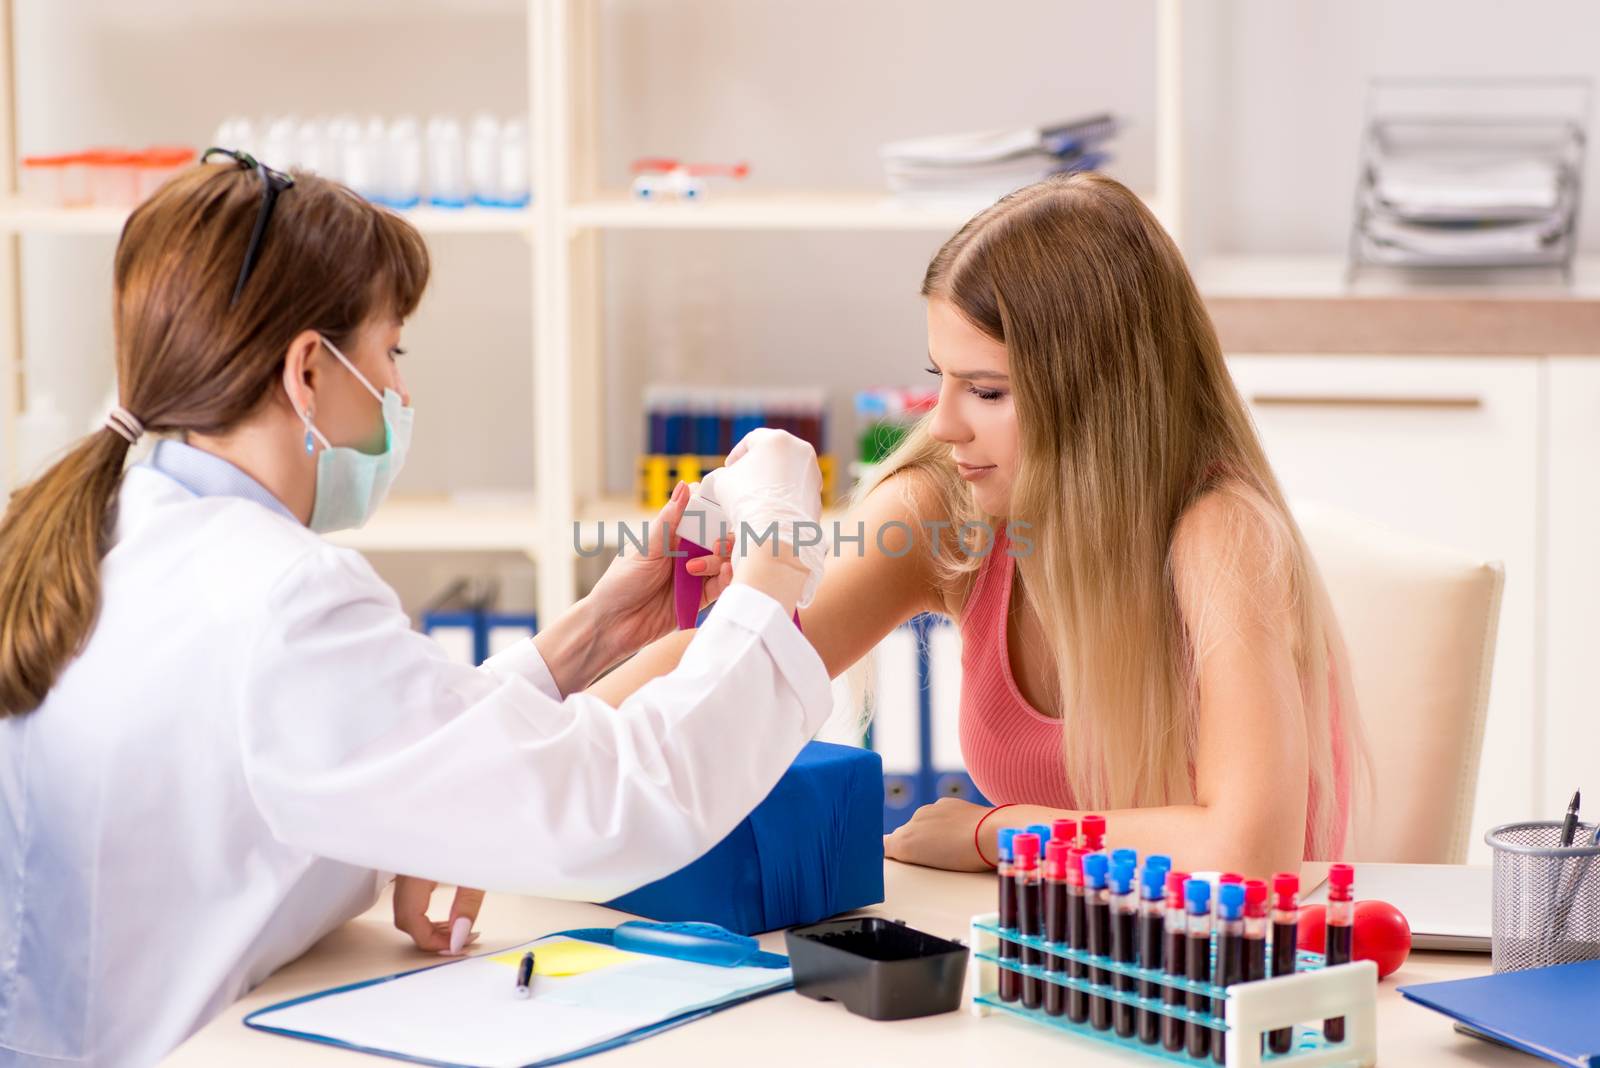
1546 896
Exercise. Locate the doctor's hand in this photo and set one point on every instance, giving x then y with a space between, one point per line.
771 484
448 938
633 600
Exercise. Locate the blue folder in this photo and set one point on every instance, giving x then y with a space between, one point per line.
1548 1012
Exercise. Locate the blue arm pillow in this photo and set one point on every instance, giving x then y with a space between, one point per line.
812 849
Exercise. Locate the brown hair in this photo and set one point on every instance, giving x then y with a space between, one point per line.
188 361
1126 417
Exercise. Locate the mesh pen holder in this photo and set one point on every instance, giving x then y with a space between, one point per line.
1249 1010
1546 897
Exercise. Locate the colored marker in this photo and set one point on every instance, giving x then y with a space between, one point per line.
1152 931
1229 968
1285 937
1341 933
1124 941
1197 897
1172 1028
1055 920
525 975
1097 906
1010 981
1030 911
1094 832
1077 934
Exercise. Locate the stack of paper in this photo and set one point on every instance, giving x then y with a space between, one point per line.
988 164
1461 194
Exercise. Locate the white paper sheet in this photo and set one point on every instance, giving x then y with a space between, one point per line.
466 1012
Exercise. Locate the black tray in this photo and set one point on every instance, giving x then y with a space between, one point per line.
878 968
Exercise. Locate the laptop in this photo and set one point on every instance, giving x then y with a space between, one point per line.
1449 906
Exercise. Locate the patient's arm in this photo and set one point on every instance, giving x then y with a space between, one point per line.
867 590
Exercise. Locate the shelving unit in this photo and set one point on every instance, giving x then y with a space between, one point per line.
573 210
570 213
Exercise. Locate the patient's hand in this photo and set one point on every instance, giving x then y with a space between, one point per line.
939 836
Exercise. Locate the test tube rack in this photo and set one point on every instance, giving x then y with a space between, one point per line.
1314 992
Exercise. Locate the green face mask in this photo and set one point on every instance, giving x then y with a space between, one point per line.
351 483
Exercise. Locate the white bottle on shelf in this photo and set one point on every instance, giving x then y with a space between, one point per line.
400 177
234 132
43 431
447 184
358 146
483 159
277 146
515 167
311 149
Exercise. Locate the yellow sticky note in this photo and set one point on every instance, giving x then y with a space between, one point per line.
570 957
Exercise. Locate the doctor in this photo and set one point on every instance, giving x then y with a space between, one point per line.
217 730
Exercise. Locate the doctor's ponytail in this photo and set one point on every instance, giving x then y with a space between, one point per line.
189 357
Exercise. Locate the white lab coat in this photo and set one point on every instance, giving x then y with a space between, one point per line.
254 734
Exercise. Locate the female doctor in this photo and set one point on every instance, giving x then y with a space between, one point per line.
217 729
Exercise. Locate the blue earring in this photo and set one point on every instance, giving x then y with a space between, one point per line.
306 416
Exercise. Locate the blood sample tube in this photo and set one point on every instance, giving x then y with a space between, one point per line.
1077 935
1151 933
1064 831
1055 921
1124 942
1010 981
1197 899
1285 937
1255 932
1097 905
1230 877
1341 933
1030 911
1229 966
1094 832
1172 1028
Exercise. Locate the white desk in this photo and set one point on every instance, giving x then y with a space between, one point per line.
786 1029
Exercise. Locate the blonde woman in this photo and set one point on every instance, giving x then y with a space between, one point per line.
1143 631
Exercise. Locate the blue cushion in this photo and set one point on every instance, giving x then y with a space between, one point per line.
812 849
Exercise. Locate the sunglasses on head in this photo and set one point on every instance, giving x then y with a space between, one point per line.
272 183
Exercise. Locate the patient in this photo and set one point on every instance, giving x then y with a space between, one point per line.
1143 630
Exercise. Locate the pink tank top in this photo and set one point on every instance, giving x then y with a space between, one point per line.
1012 750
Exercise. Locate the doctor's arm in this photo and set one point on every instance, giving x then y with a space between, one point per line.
363 743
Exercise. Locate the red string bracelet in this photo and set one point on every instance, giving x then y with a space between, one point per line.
979 830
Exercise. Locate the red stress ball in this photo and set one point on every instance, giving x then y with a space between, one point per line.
1382 934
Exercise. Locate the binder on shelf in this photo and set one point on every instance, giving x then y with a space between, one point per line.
916 716
463 620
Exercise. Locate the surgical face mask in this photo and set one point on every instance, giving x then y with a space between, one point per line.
351 483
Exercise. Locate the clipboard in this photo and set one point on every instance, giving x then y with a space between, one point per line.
464 1013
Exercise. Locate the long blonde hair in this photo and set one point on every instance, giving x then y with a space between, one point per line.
1127 416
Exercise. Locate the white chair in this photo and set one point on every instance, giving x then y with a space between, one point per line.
1419 621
